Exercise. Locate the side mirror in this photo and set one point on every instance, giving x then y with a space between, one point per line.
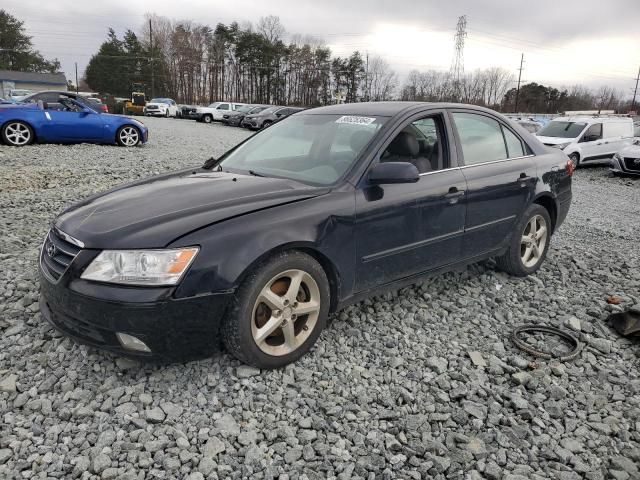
590 138
393 172
88 111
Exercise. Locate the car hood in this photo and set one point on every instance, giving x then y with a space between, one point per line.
154 212
632 151
554 140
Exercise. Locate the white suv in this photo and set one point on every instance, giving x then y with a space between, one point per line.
215 111
588 138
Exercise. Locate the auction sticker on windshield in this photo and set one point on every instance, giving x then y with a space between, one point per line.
356 120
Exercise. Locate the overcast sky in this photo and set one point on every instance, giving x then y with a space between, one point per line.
593 42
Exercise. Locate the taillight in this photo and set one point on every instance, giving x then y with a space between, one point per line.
105 109
570 167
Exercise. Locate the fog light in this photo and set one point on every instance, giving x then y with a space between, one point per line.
132 343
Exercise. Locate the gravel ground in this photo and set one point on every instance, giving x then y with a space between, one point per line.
420 383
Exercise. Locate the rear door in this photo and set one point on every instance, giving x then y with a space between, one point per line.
500 175
406 229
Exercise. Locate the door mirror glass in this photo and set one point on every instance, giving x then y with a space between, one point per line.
393 172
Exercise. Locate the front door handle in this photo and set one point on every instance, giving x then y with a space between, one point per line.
454 195
523 179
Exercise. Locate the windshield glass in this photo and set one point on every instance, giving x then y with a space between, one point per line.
159 100
258 109
268 110
20 92
244 108
562 129
316 149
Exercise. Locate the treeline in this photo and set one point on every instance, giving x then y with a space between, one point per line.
195 63
198 64
16 48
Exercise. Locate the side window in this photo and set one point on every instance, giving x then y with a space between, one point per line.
420 143
514 145
223 106
283 112
481 138
593 133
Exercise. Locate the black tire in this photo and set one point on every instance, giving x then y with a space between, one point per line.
207 118
266 123
12 138
166 113
575 159
512 261
237 327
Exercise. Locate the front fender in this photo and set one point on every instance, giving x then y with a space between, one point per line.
230 249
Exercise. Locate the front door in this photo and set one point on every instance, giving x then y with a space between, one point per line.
501 178
592 145
405 229
74 123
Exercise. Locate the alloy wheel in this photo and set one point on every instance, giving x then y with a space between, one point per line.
285 312
17 134
533 241
129 136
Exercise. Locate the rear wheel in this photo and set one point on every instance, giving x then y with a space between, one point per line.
575 159
529 243
17 134
279 312
128 136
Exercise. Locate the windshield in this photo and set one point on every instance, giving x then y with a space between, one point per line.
315 149
244 108
160 100
258 109
562 129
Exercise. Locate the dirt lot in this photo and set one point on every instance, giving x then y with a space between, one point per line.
390 390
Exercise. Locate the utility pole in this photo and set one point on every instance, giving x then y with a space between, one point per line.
635 92
153 94
366 81
76 77
519 78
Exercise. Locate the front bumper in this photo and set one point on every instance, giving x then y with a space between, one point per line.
155 113
626 165
250 123
92 313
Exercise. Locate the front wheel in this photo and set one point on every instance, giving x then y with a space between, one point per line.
207 119
279 311
17 134
575 159
128 136
529 243
266 123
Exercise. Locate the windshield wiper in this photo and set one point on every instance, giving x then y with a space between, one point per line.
210 162
255 174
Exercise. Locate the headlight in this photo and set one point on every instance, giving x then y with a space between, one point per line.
562 146
141 267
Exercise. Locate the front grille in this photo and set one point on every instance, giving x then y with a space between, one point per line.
632 163
56 255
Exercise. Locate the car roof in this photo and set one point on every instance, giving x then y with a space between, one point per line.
386 109
593 119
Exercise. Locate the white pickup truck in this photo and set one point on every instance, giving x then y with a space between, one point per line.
215 111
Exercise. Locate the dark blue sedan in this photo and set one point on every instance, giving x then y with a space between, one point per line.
257 248
71 121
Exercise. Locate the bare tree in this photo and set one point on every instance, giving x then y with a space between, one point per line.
271 28
381 81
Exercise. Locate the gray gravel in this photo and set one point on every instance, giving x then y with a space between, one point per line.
420 383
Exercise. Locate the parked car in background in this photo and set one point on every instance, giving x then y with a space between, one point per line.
318 211
588 138
627 160
268 116
530 126
51 100
215 111
189 112
161 107
235 118
67 121
17 95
